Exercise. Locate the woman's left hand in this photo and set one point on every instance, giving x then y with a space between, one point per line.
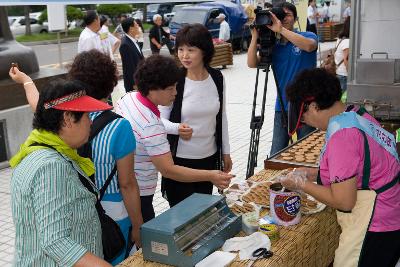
227 162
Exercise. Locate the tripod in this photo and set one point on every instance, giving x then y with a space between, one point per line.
257 121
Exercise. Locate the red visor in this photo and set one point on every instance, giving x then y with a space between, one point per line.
77 101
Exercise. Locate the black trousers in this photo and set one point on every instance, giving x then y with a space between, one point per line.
164 41
178 191
312 28
380 249
146 203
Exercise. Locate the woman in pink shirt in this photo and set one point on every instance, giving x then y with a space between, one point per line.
358 174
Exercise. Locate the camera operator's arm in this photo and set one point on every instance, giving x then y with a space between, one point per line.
306 44
252 58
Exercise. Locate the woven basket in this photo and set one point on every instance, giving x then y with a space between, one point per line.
311 243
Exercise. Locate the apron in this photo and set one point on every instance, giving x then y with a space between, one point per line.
355 223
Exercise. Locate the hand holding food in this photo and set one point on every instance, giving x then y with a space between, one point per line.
221 179
294 180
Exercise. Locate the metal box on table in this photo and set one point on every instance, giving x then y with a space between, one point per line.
189 231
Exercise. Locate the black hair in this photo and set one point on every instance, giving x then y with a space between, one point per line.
97 71
90 16
139 22
318 84
127 23
103 19
156 73
52 119
289 6
196 35
345 32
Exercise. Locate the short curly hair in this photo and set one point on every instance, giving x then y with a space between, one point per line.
196 35
97 70
156 73
52 119
317 84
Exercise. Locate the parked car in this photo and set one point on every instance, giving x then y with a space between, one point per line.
161 9
11 19
18 26
168 16
206 13
138 14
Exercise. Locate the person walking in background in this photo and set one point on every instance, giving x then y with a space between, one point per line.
159 37
347 10
193 145
131 54
224 29
156 79
325 11
312 16
294 52
55 219
105 34
90 38
342 54
140 36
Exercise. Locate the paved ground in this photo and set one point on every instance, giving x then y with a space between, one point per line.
240 88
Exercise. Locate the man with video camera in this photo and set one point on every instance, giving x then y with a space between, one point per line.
292 52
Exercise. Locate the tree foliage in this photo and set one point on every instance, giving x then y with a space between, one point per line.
114 10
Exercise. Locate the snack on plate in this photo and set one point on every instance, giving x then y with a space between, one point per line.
309 205
241 207
259 194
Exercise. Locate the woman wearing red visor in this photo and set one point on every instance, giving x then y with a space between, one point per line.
358 173
56 222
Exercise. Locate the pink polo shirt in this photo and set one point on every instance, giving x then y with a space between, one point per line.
344 159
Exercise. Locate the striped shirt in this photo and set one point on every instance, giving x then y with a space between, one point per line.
113 142
55 218
151 138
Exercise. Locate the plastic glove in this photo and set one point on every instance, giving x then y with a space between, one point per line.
294 180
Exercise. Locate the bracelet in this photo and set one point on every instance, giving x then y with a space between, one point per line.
26 83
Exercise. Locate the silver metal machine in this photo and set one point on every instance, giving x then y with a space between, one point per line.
189 231
374 63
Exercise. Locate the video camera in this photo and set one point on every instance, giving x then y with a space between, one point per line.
266 36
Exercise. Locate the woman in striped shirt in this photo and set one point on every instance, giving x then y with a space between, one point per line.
54 215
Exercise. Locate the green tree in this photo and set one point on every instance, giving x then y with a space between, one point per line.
114 10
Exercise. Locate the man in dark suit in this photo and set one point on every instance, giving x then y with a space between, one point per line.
131 54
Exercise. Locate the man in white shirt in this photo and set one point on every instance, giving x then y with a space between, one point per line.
347 11
90 37
224 29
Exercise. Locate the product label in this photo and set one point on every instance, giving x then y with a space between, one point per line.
159 248
286 207
292 205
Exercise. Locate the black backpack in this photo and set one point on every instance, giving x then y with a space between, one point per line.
112 237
